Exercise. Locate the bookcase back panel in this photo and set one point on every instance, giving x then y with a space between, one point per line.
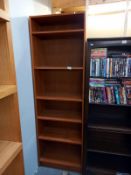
58 83
113 116
60 109
60 152
60 52
114 51
110 115
9 120
111 163
59 125
57 23
2 6
6 72
106 141
60 130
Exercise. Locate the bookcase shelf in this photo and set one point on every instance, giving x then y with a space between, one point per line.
108 152
107 145
6 90
58 87
62 139
99 171
110 128
60 98
68 68
60 132
105 140
4 17
108 104
111 77
103 164
56 23
65 51
69 159
71 117
8 152
59 33
58 45
64 111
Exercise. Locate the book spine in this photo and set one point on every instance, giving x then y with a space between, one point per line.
102 67
105 61
108 68
117 95
121 96
124 95
104 94
112 95
91 68
129 67
108 94
97 67
127 62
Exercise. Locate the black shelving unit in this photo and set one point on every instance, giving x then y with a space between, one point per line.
107 146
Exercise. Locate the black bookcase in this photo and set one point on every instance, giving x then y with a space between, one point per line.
107 146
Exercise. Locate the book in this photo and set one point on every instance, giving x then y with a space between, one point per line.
116 65
110 91
99 53
103 66
127 87
128 65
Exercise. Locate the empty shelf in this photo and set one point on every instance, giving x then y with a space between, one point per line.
64 157
61 33
58 68
6 90
54 115
8 152
61 98
4 16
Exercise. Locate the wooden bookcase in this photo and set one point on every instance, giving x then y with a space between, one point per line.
107 147
11 160
57 43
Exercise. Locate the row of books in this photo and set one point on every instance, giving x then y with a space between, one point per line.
110 67
99 53
105 52
110 91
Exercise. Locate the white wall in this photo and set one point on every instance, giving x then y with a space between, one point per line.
29 7
20 10
129 21
108 20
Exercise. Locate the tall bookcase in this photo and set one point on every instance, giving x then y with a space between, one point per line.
108 125
58 71
11 161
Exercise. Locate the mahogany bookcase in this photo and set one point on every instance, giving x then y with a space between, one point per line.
58 46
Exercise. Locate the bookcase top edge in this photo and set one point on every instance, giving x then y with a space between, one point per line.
55 15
